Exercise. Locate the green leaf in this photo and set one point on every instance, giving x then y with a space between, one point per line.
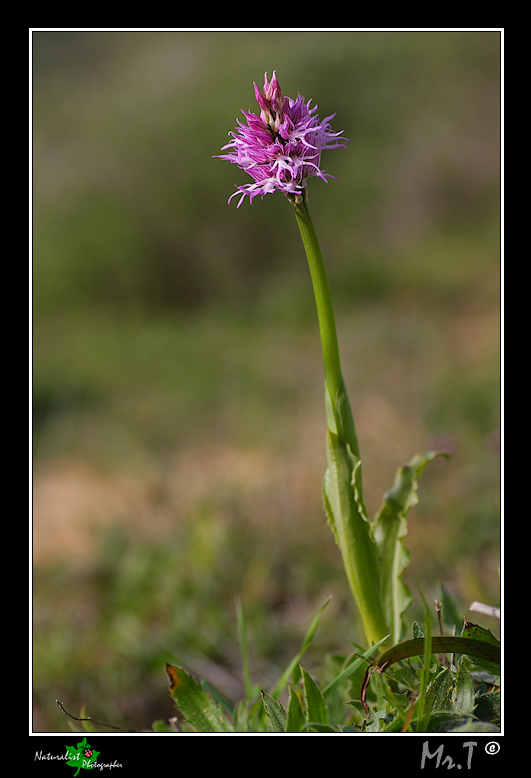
276 715
479 649
463 699
373 722
476 632
295 720
340 491
316 710
390 527
197 707
488 706
440 645
352 532
405 674
440 692
479 633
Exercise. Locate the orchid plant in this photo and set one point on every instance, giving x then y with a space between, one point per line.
281 148
423 690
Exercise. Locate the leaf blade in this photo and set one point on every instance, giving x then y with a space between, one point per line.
275 713
390 527
316 709
440 644
198 708
463 701
295 719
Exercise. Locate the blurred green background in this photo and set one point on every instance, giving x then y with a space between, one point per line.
179 430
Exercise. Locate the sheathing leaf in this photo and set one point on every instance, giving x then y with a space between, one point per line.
352 531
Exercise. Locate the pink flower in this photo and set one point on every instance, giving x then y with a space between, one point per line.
282 147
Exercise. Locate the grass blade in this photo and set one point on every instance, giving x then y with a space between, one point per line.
242 636
286 675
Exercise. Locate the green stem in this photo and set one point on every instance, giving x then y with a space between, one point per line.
323 299
342 491
339 414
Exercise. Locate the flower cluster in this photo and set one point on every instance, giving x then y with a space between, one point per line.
282 147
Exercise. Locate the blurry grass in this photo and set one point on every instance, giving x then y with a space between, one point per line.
162 589
102 635
175 341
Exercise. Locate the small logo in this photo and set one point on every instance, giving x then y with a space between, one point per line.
492 747
82 757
